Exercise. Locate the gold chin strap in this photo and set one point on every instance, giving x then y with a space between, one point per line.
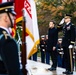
10 19
6 7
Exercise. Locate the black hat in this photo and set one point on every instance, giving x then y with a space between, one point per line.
7 7
68 16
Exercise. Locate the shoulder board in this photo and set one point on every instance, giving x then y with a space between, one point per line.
5 34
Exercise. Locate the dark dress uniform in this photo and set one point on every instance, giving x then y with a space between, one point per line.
9 53
42 49
47 54
60 55
2 67
52 42
8 46
68 39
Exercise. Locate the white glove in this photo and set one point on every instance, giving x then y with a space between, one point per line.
44 50
61 22
70 46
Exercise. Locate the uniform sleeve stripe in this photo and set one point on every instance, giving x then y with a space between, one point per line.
58 26
72 42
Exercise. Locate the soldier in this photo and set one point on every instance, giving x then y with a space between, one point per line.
42 48
51 45
47 54
60 52
8 46
68 42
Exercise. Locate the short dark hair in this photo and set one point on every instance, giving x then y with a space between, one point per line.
53 21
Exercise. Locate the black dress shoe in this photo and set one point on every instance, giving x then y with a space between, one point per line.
52 69
3 72
67 72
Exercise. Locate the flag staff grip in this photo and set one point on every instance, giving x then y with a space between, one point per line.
23 53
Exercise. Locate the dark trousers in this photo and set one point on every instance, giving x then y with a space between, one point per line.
35 56
59 60
53 55
63 62
54 58
47 57
68 58
42 56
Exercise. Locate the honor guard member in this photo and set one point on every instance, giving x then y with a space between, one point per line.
42 48
68 42
8 46
60 52
46 53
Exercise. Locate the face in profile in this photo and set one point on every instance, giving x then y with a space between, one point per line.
12 19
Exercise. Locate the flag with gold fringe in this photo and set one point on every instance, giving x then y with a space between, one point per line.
32 40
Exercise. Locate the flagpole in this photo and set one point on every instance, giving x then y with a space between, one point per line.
24 61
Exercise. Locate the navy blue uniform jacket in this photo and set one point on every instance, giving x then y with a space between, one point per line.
9 53
69 34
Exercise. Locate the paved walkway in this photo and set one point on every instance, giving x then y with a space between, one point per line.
38 68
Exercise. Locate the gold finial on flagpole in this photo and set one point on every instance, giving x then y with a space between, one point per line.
35 1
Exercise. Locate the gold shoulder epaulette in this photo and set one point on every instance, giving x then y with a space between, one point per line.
5 34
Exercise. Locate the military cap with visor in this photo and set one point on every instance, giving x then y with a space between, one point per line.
67 16
7 7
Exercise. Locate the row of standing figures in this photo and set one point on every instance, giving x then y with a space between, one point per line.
45 55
